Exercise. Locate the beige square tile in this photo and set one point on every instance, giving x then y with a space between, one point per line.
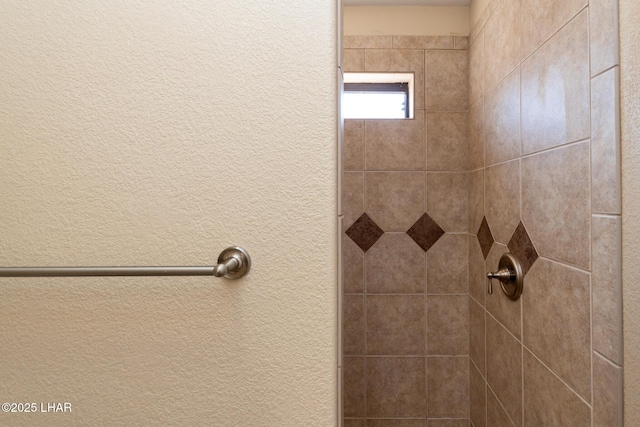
367 42
547 401
353 391
423 42
496 415
502 190
448 325
353 152
447 80
353 324
502 43
604 35
352 197
606 285
607 393
447 141
478 398
504 369
402 61
477 273
556 203
448 385
461 42
352 266
556 321
396 387
477 335
395 324
605 143
502 120
476 200
353 60
555 90
447 200
476 137
476 69
396 423
396 144
395 264
542 18
395 200
447 265
506 311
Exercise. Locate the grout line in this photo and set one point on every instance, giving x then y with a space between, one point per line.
557 376
606 359
502 406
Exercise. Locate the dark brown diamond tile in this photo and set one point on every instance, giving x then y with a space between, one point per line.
425 232
485 237
521 246
364 232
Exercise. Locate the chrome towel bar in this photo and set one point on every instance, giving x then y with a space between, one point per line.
233 263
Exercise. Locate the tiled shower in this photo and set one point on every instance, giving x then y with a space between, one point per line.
514 148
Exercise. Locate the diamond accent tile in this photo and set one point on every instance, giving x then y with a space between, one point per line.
364 232
485 237
425 232
522 248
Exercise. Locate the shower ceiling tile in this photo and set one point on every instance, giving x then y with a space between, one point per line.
364 232
425 232
522 248
485 237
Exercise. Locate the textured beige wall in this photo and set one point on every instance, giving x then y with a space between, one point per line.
630 108
157 134
406 20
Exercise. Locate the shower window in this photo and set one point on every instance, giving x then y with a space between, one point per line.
377 96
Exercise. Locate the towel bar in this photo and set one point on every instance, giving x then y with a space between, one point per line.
233 263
